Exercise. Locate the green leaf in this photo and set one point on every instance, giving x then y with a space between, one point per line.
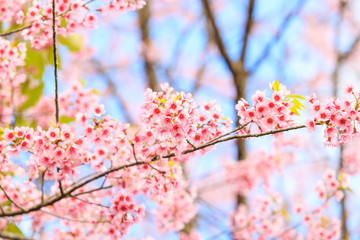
161 100
350 190
177 97
297 103
12 228
7 173
35 62
276 86
33 94
83 83
285 214
295 96
5 204
94 91
73 42
49 54
66 119
295 110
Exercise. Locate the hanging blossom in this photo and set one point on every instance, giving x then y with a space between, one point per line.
71 16
12 58
259 166
270 217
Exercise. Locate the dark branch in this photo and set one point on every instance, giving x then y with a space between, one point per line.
278 35
55 62
249 22
15 31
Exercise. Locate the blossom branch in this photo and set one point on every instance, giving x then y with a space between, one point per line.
15 31
69 192
10 199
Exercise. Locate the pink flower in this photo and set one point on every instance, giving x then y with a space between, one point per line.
99 110
310 124
53 134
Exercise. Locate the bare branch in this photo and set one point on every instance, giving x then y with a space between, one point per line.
66 218
218 39
15 31
277 36
144 16
249 22
92 203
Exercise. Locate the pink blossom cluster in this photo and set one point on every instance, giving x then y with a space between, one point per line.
62 147
332 185
193 235
101 143
271 219
341 117
8 9
125 212
259 166
268 113
12 58
71 16
175 211
172 122
122 6
73 100
351 158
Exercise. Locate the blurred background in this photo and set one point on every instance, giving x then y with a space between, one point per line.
222 50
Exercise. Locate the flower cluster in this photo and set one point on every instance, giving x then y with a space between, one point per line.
332 186
9 9
271 219
11 59
341 117
175 211
259 165
173 123
269 113
125 212
70 17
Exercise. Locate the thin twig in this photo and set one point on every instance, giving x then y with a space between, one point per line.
10 199
133 148
248 25
91 191
66 218
231 132
42 185
161 172
55 62
92 203
15 31
277 36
